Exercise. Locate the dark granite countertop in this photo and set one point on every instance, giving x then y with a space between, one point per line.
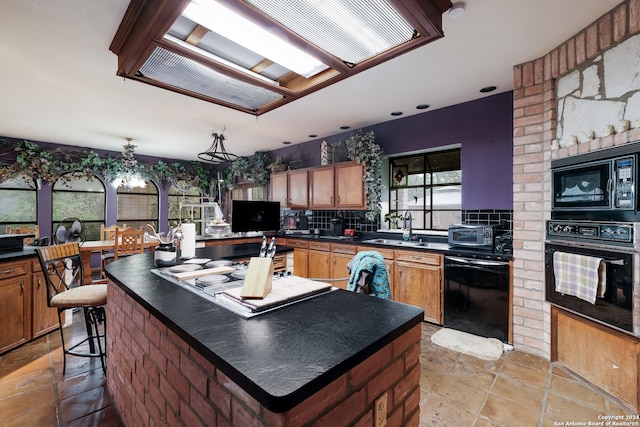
439 244
280 358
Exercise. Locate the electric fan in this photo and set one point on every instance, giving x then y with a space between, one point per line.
70 230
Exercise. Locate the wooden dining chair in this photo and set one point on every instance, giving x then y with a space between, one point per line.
25 230
128 241
63 271
108 233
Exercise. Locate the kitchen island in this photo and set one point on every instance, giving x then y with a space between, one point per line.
176 358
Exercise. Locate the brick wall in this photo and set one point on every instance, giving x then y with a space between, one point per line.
534 129
155 378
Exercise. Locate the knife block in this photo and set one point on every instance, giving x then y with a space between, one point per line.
257 282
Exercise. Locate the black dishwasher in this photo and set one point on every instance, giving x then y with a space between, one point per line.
476 297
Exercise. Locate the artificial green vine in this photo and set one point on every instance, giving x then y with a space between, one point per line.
363 149
50 166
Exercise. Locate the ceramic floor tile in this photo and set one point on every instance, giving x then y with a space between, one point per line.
20 403
562 409
532 376
78 405
528 360
439 412
462 393
429 379
576 391
472 375
42 416
510 413
492 366
23 379
518 392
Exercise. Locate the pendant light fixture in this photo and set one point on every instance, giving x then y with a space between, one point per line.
217 153
129 177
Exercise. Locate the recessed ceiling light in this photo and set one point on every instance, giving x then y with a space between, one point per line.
488 89
345 127
286 142
396 113
313 135
423 106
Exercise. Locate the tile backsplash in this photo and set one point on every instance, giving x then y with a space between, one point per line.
488 217
357 221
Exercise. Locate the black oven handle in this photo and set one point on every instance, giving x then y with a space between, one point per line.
478 262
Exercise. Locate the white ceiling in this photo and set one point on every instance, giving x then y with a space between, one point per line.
58 82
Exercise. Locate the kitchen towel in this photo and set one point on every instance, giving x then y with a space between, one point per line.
582 276
188 243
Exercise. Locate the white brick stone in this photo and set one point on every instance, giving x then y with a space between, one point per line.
590 82
621 65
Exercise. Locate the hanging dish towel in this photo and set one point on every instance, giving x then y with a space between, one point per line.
361 266
582 276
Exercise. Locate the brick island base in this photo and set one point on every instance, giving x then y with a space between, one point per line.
155 378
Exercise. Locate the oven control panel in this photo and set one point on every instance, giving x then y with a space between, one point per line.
612 232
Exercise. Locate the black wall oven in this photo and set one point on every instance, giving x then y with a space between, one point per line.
599 185
615 244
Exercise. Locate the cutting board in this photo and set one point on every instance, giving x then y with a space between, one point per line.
203 272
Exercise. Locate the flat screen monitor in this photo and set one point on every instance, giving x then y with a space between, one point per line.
254 216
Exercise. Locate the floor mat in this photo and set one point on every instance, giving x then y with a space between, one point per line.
463 342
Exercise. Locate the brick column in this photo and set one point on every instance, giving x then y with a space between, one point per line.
534 129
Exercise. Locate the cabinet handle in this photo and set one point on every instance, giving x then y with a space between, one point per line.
39 283
8 271
21 288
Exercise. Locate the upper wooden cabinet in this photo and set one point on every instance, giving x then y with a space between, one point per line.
291 188
338 186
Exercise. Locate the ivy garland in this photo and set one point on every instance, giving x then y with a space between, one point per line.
49 166
248 169
363 149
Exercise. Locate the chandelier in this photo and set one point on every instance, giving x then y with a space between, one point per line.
129 177
217 153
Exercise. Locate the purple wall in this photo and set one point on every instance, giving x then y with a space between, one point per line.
484 128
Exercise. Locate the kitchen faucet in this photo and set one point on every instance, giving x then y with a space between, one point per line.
408 217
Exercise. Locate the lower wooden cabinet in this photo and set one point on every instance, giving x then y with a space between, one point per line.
24 313
418 281
341 254
15 327
607 358
319 260
44 318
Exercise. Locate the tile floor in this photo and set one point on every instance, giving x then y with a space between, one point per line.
457 390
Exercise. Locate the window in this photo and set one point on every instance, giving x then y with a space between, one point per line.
249 192
23 208
80 198
180 195
139 206
428 186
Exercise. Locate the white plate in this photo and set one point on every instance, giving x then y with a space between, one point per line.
197 261
211 279
219 263
185 267
239 274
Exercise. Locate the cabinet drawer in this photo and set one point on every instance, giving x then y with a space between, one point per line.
13 269
296 243
320 246
343 249
419 257
386 253
35 265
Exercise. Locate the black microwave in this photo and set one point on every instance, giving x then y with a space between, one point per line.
603 189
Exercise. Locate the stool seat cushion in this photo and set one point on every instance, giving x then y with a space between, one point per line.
81 296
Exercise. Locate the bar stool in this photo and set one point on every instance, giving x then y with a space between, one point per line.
63 271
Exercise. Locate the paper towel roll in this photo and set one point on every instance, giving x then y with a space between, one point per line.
188 243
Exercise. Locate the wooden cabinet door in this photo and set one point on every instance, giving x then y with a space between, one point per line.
279 188
44 318
339 269
298 181
418 281
349 186
15 313
301 262
319 264
322 188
